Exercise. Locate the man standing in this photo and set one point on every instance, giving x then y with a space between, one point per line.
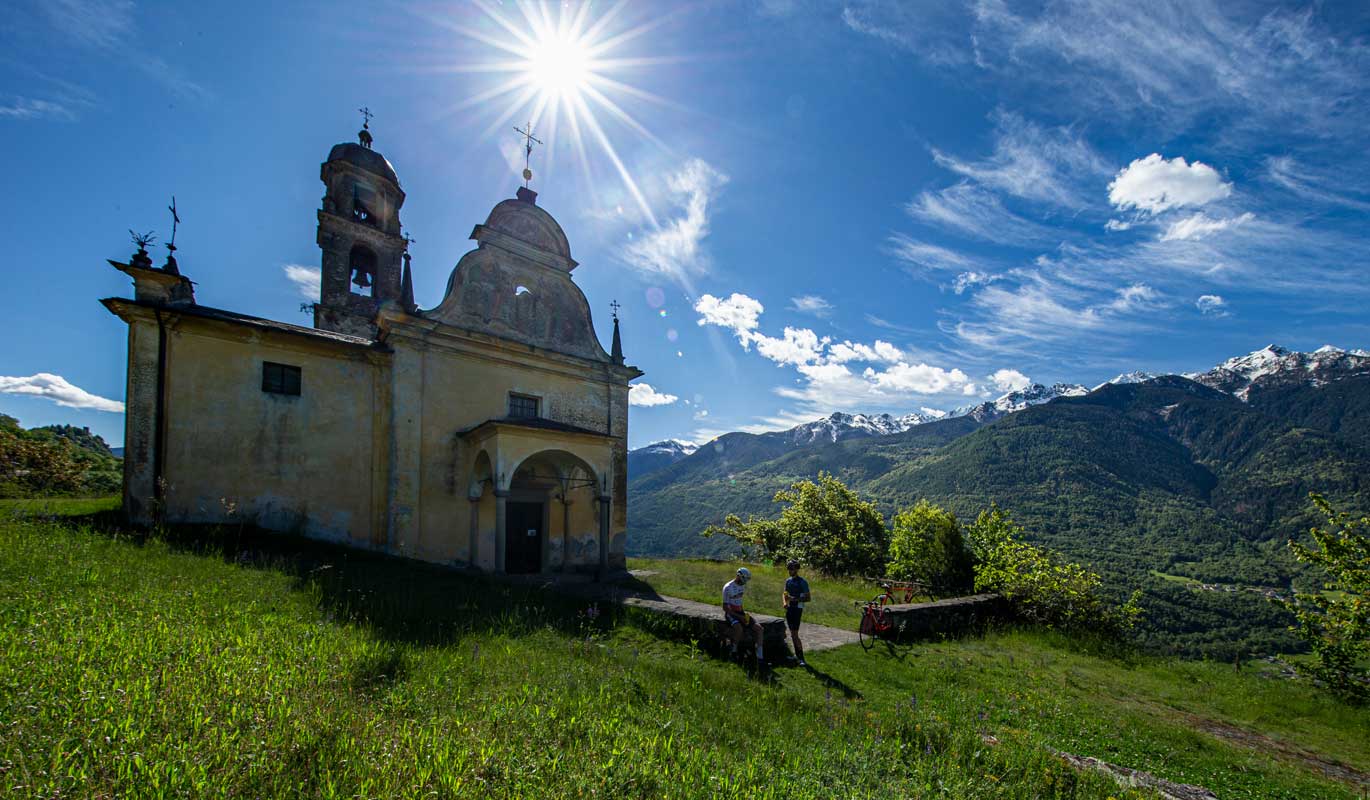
796 595
736 617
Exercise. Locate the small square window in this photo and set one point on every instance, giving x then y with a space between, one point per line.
280 379
523 406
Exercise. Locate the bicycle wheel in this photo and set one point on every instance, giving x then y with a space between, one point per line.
865 632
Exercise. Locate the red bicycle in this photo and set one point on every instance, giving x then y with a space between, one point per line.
876 620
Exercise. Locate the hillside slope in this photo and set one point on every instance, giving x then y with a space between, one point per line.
190 668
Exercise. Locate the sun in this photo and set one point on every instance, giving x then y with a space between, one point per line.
560 65
563 71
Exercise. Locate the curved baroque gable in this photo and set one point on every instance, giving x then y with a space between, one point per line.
484 295
531 225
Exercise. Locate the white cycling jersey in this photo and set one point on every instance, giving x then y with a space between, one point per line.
732 595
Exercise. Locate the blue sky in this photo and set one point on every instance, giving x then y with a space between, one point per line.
803 206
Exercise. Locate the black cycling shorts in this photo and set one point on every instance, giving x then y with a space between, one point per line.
792 617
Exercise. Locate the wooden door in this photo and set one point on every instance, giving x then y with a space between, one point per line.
523 538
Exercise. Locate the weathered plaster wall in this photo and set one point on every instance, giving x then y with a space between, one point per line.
234 452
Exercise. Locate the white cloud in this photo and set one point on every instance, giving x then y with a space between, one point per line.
797 346
1200 225
1117 225
642 394
917 378
701 414
811 304
739 314
676 248
306 279
1154 184
1009 380
57 389
1212 305
1137 297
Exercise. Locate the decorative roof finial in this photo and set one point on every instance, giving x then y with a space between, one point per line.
364 135
616 353
528 141
141 258
171 266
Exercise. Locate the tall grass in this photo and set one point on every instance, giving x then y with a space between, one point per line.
221 662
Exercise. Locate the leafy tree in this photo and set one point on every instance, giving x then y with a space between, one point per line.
1042 587
926 546
1336 622
826 526
44 462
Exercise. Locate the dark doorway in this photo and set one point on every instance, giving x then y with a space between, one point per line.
523 538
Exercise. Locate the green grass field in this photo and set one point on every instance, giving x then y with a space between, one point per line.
212 663
834 599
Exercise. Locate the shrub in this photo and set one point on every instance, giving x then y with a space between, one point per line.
1336 622
926 546
1042 587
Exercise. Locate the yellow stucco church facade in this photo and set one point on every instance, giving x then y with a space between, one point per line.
489 431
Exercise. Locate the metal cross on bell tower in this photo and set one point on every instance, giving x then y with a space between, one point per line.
528 141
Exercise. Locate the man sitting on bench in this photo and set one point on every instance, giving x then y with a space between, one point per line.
738 620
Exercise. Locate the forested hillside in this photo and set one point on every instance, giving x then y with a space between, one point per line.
1165 485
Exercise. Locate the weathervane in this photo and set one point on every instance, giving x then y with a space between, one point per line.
175 220
528 140
171 265
364 135
615 306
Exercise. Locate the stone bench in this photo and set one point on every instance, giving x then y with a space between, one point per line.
946 617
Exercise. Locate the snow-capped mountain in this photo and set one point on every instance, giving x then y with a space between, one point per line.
1135 376
1017 400
839 426
1268 367
669 447
1275 366
657 455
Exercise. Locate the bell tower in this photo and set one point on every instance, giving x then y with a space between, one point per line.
359 233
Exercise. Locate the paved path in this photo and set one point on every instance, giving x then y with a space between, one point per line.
815 637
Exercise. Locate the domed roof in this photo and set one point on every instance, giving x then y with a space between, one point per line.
364 158
525 221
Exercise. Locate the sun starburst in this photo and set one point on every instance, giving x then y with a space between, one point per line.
553 68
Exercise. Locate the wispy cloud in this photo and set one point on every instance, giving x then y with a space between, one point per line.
642 394
111 27
923 258
811 304
1200 225
1031 162
30 108
972 210
675 249
59 390
1311 184
307 280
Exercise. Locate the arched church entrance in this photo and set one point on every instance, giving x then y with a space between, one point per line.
540 533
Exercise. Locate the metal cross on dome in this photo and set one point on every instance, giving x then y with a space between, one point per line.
528 141
615 306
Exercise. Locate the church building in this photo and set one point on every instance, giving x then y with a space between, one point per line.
490 431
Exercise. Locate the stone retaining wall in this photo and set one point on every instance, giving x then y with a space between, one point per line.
947 617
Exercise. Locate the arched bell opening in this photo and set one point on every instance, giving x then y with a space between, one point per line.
362 261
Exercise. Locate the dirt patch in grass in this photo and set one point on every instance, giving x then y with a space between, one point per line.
1259 741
